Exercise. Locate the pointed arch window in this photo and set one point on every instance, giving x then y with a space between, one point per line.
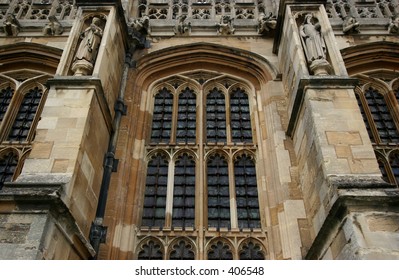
182 250
151 250
218 192
201 171
8 165
377 102
6 95
184 192
155 192
251 251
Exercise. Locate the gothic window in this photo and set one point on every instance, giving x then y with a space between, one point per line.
8 164
246 193
377 104
251 251
201 170
218 192
186 117
22 97
151 250
220 251
162 117
182 250
155 192
241 131
5 99
26 115
216 116
184 192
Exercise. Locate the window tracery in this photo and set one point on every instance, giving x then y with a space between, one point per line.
220 250
377 98
151 250
22 97
182 250
251 250
201 160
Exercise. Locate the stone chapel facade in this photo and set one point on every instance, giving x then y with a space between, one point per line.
199 129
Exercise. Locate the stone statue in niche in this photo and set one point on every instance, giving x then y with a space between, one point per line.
182 27
54 27
86 54
11 25
139 28
393 27
225 27
350 25
314 46
266 23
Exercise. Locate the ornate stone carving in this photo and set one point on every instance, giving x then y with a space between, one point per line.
266 23
350 25
87 51
393 26
11 25
54 27
182 27
225 27
139 29
314 46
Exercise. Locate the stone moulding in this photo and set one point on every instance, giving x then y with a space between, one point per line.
348 199
315 82
39 198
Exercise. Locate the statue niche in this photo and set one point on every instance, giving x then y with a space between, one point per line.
314 46
87 51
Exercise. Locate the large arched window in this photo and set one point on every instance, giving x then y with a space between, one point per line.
377 97
201 161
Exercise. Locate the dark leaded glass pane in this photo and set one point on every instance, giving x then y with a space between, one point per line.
381 116
151 251
26 115
218 192
246 193
186 117
5 99
251 251
184 192
155 192
220 251
162 117
241 131
215 117
394 163
182 251
8 164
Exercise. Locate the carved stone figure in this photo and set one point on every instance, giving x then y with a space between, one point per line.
54 27
141 25
266 23
11 25
91 38
314 46
225 27
87 51
311 37
350 25
182 26
393 26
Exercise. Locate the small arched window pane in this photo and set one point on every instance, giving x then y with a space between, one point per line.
155 192
366 122
220 251
186 117
182 250
218 192
25 116
5 99
151 251
184 192
215 117
251 251
246 193
8 165
241 131
382 117
162 117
